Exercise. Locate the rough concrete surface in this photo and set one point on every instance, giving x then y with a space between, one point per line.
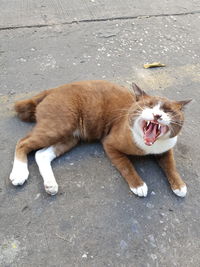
95 220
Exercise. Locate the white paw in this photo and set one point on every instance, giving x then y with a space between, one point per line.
51 188
18 178
140 191
19 172
181 192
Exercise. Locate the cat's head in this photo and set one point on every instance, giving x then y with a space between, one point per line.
156 117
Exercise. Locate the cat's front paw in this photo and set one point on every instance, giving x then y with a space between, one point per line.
51 188
181 192
140 191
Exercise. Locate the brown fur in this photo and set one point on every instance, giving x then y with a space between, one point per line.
94 110
26 108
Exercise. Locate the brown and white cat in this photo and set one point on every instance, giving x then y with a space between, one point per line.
127 122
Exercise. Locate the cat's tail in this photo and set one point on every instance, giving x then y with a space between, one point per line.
26 108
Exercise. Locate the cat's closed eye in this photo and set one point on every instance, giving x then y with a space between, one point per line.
168 111
151 104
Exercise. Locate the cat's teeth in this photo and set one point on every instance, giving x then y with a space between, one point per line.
148 123
159 127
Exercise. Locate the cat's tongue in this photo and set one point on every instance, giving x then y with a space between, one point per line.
150 134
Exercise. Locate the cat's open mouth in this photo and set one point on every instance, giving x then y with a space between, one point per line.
152 130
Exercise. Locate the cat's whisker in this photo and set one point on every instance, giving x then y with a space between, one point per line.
122 109
140 107
133 113
171 129
115 119
188 126
177 123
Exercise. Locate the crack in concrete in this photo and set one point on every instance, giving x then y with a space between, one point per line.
99 20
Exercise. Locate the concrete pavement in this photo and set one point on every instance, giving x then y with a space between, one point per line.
95 220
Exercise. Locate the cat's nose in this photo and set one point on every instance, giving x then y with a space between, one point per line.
157 116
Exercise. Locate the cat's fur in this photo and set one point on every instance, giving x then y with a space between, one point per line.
127 122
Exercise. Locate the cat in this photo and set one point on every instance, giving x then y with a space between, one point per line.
126 121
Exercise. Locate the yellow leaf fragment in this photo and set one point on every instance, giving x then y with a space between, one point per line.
153 65
14 245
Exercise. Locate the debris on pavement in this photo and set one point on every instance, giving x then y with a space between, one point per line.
153 65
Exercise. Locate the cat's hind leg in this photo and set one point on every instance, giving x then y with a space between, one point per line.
42 135
20 173
44 158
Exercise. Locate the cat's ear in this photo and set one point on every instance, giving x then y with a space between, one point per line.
181 104
138 92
